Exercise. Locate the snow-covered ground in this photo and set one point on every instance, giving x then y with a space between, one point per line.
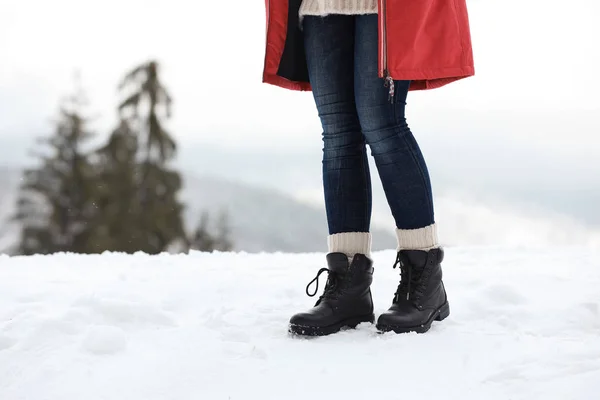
524 324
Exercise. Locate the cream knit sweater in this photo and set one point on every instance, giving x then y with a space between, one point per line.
349 7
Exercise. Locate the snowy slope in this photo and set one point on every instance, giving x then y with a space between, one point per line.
524 324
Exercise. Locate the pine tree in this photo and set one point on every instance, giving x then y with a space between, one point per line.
156 211
223 234
146 86
205 240
117 225
56 204
202 240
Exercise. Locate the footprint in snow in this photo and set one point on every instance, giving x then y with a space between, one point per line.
584 317
32 297
505 295
123 313
105 340
593 308
6 342
505 375
235 335
554 368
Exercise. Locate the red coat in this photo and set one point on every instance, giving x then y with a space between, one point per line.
425 41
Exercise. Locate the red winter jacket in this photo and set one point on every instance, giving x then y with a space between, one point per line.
425 41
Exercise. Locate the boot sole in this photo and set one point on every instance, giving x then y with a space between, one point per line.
439 315
302 330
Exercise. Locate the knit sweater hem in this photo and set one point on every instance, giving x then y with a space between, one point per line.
345 7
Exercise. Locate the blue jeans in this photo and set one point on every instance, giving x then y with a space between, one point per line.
355 110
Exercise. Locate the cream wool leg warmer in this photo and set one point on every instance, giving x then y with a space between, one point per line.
350 243
418 239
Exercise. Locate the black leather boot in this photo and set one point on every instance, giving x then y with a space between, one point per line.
346 300
421 296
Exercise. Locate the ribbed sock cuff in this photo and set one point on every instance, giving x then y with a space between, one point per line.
418 239
350 243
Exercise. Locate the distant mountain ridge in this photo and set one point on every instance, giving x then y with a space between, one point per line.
264 219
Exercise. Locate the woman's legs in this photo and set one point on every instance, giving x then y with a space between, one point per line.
399 161
329 45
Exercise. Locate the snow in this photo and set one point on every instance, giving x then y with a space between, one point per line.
524 324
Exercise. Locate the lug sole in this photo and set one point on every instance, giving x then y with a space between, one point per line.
352 323
439 315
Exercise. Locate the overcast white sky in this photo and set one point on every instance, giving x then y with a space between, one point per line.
526 125
530 55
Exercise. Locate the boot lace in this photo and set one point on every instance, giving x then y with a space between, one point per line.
409 281
332 287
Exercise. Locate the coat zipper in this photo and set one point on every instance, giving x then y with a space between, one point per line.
388 80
